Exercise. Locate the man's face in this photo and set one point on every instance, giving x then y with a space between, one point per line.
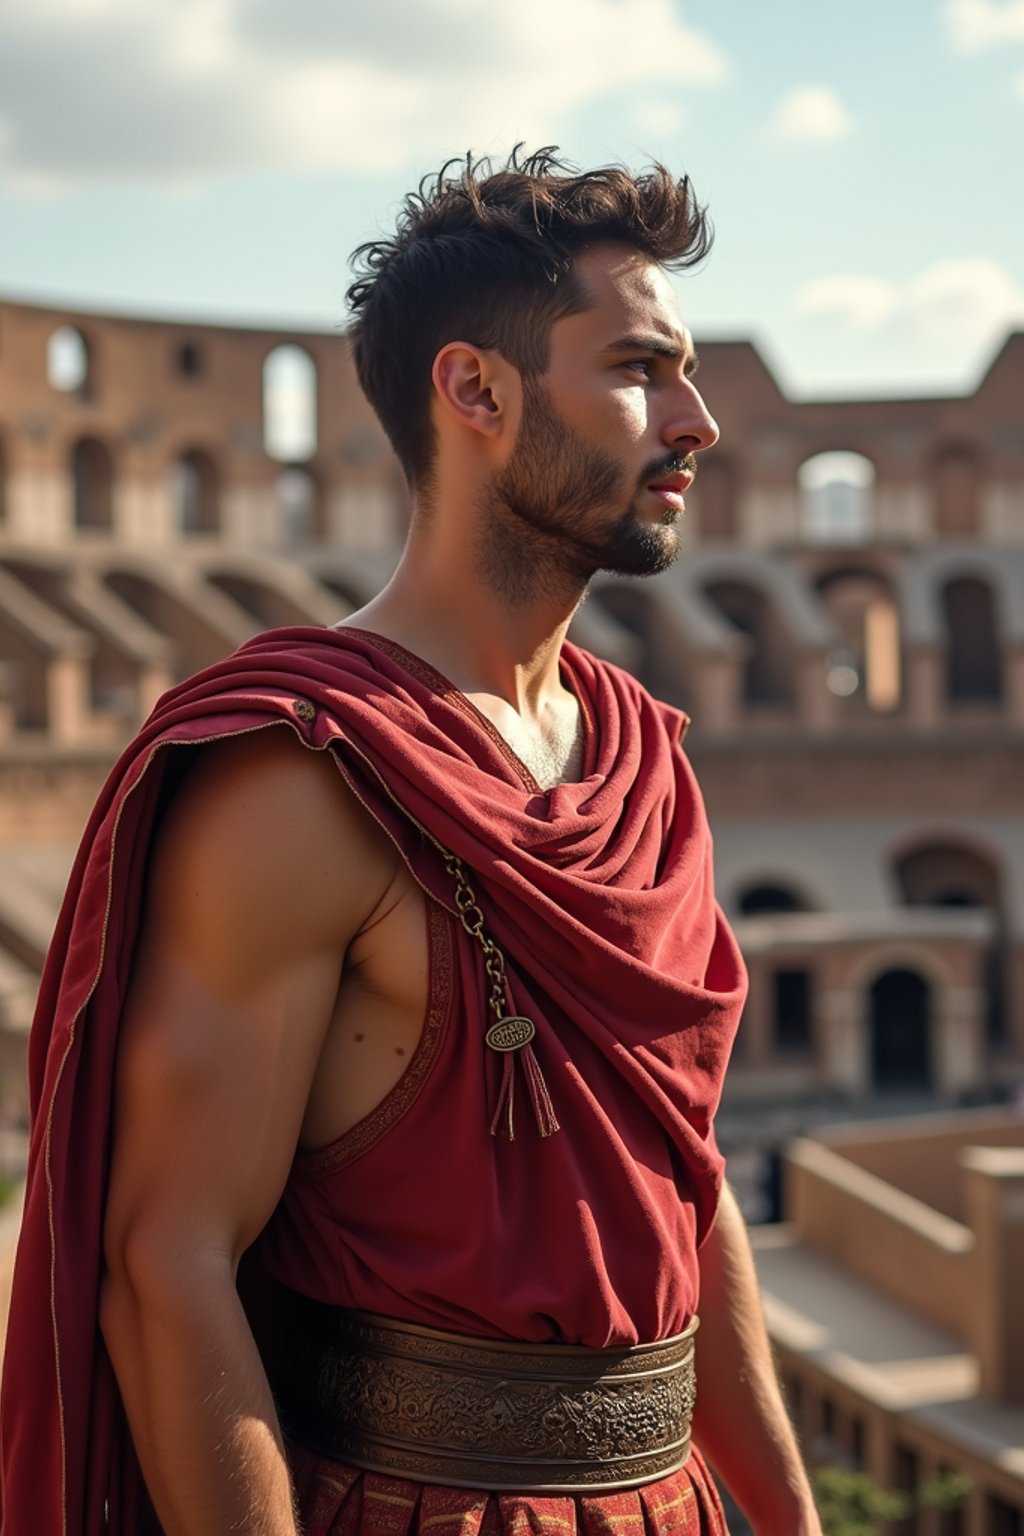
604 450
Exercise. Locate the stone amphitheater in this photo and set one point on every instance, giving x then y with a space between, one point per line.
846 629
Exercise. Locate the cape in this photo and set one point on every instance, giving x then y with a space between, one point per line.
599 893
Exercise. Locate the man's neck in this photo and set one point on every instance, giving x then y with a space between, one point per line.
436 606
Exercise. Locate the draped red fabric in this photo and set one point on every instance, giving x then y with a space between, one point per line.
600 895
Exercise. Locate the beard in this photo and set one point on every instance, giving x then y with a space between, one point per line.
549 520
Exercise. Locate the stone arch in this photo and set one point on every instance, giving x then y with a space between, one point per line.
956 481
195 488
92 485
717 497
269 604
947 872
866 666
290 409
640 619
900 1011
768 669
763 896
185 618
837 498
123 656
974 660
68 360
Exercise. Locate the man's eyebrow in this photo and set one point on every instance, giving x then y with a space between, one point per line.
643 341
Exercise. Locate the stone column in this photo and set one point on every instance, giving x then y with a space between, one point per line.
959 1034
144 510
994 1182
844 1043
67 699
925 686
1014 664
815 704
719 681
755 1034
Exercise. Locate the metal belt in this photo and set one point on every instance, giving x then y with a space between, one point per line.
435 1407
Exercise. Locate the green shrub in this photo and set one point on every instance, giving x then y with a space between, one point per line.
944 1490
852 1503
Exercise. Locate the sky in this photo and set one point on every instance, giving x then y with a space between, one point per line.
219 159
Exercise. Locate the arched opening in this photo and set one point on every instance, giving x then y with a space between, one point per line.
299 506
654 659
974 673
113 674
67 360
768 670
195 486
289 405
865 668
792 1012
947 875
716 495
197 640
769 896
837 498
956 492
92 482
270 608
901 1048
942 874
188 359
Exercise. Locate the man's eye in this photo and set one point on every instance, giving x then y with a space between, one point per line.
640 365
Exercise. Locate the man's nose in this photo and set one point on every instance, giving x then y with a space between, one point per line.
692 426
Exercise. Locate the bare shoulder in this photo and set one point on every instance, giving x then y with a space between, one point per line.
264 870
267 829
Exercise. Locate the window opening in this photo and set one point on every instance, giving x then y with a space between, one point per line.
289 405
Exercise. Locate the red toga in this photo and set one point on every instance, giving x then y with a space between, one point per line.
600 896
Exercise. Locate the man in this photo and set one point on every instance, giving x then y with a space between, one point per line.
428 1021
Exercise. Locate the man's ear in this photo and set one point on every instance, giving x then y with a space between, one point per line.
472 386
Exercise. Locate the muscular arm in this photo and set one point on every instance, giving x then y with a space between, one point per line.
263 870
741 1422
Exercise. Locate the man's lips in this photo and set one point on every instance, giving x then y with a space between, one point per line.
671 490
677 484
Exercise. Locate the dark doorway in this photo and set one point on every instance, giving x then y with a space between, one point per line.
900 1033
975 664
92 484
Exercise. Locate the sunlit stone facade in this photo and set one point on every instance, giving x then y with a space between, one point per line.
846 628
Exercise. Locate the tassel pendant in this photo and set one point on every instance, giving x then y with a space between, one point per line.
511 1034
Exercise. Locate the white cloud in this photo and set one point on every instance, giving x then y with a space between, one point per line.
864 303
970 299
185 90
659 119
974 25
810 113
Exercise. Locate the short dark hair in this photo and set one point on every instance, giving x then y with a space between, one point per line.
486 255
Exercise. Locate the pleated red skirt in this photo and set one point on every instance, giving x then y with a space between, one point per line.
335 1500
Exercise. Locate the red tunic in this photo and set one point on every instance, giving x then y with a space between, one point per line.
599 893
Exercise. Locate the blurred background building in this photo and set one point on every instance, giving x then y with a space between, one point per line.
846 629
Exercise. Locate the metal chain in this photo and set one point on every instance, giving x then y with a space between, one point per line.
472 920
